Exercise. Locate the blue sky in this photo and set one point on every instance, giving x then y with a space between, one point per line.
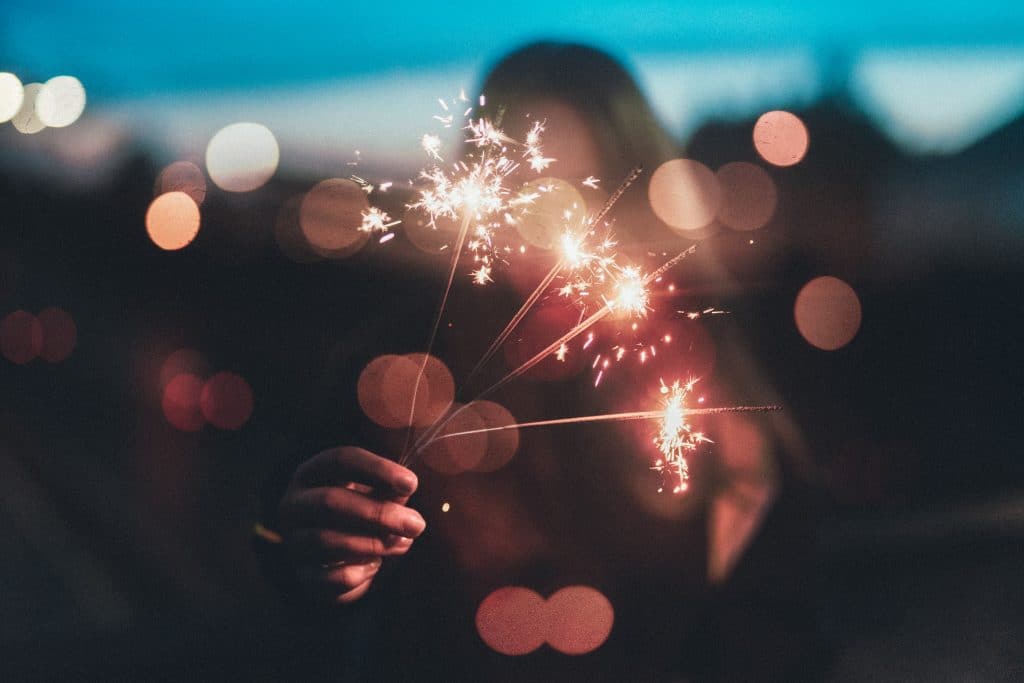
935 75
127 48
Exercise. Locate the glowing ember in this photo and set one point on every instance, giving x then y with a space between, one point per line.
630 293
675 438
474 190
375 220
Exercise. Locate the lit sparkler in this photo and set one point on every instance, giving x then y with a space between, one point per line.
376 220
675 440
583 326
473 191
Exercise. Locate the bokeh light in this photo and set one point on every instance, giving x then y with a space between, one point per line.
242 157
440 386
61 101
21 337
827 313
12 94
781 138
428 238
685 194
558 205
226 401
330 216
460 453
288 233
180 403
183 361
385 391
59 334
579 620
748 196
182 176
172 220
511 620
27 121
501 445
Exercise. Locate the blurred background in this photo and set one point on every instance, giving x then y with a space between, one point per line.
170 333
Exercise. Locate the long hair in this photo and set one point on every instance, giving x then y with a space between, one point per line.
595 85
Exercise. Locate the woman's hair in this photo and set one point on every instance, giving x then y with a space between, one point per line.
597 87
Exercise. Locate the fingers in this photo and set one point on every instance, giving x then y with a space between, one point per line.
344 509
341 584
326 545
338 466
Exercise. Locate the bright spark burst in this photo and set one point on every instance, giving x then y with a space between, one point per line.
482 275
475 189
629 293
538 162
676 439
432 146
375 220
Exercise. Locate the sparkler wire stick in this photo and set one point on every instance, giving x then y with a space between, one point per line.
463 229
581 327
516 319
549 278
615 196
608 417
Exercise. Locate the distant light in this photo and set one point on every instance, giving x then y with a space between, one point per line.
181 403
288 233
182 362
501 445
182 176
384 390
781 138
377 392
242 157
59 334
579 620
21 337
749 196
461 453
685 194
226 400
60 101
330 216
172 220
511 620
827 313
12 94
446 506
432 239
542 222
27 121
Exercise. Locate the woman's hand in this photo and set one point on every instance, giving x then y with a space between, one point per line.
343 512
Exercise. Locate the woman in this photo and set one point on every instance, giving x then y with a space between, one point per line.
571 508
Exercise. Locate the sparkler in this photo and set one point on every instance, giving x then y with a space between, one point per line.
575 256
410 454
473 190
675 439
